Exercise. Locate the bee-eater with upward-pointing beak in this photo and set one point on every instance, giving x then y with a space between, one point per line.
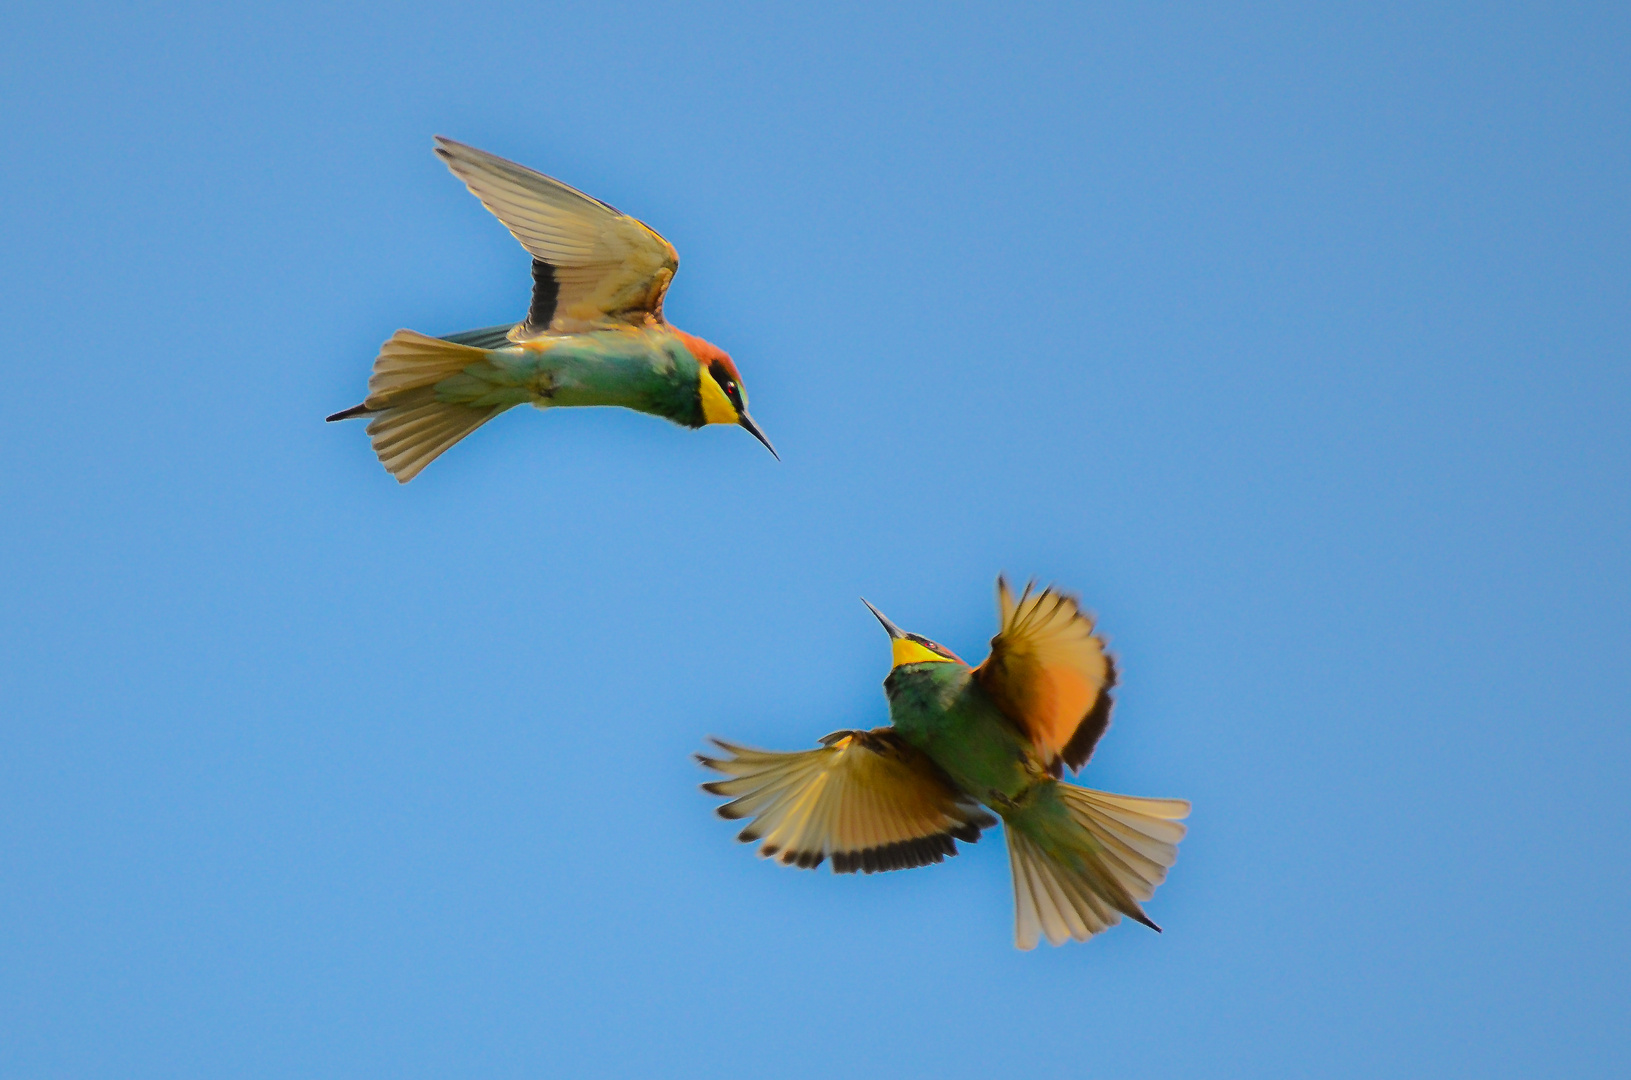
895 797
594 335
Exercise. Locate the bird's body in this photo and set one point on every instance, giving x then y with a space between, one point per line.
648 369
941 709
594 333
996 735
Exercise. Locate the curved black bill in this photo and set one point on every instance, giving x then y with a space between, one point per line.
894 631
753 429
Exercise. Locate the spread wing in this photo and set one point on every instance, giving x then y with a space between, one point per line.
591 264
1050 673
866 798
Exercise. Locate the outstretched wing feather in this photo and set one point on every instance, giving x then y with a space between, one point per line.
867 800
598 266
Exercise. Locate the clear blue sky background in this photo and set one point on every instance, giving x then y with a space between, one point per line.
1294 337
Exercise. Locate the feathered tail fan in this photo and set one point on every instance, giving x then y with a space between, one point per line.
1082 859
411 425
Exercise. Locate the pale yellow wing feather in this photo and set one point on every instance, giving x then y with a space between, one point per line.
608 266
1050 673
866 799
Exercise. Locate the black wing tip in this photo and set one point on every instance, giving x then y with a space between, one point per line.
711 762
347 414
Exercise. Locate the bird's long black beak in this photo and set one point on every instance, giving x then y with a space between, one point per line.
753 429
895 632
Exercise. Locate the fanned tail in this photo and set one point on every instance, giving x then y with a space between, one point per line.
412 422
1082 859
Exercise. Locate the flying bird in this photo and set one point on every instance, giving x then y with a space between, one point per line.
594 333
964 739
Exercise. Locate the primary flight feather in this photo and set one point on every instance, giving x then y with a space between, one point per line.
594 333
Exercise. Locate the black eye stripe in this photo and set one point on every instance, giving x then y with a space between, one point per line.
727 384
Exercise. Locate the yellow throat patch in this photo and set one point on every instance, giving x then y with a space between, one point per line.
908 651
716 407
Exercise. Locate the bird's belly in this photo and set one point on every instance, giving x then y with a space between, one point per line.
636 370
977 748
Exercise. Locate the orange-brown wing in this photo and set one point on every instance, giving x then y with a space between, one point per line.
867 799
1050 673
592 266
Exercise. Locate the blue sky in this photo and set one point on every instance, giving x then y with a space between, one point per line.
1294 337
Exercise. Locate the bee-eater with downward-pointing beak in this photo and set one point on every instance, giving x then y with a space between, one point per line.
895 797
594 335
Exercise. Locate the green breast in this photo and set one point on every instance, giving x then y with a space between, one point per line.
941 710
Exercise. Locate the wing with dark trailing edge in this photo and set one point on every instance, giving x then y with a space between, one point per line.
1050 673
866 799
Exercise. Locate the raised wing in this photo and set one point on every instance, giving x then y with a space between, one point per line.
1050 674
591 264
867 799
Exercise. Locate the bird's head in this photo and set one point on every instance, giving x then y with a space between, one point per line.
719 385
913 648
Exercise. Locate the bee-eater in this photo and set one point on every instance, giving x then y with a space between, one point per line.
594 334
998 734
